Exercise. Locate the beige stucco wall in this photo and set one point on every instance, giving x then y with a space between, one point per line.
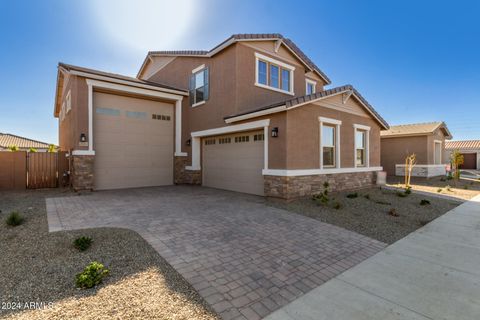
303 144
395 150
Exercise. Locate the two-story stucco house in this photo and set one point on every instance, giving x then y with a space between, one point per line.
250 115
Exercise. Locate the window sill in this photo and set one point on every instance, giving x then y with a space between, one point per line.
274 89
198 104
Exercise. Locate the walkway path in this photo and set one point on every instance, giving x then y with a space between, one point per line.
433 273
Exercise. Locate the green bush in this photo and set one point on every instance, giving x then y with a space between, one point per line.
337 205
92 275
402 194
439 190
14 219
352 195
82 243
424 202
408 190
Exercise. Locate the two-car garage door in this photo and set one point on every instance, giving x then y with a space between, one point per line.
133 142
234 162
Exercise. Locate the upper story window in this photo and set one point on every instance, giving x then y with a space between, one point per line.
273 74
310 86
199 86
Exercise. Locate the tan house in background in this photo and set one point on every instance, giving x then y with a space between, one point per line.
251 115
425 140
8 140
470 149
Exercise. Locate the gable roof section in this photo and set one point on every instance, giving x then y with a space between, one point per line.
70 67
303 100
241 37
416 129
8 140
462 145
107 76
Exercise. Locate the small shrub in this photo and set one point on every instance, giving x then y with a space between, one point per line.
408 190
337 205
92 275
326 185
352 195
14 219
82 243
401 194
393 212
424 202
367 196
439 190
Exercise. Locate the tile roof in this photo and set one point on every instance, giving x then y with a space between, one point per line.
316 96
247 36
8 140
462 144
414 129
70 67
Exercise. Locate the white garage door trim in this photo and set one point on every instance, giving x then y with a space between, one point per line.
198 135
146 92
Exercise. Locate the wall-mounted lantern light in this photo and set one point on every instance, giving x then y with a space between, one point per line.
188 142
275 132
83 137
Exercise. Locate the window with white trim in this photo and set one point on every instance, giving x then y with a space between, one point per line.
199 87
310 86
328 145
273 74
361 148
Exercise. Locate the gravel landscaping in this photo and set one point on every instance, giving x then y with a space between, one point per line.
465 188
377 213
37 266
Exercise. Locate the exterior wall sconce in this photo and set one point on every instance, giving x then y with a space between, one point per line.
275 132
83 137
188 142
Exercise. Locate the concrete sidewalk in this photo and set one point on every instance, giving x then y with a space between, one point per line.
433 273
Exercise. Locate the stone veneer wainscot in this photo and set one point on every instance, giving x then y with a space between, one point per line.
302 186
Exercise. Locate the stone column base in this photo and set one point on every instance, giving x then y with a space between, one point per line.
82 172
184 176
302 186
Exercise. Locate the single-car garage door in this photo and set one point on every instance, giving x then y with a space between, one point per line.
133 142
469 161
234 162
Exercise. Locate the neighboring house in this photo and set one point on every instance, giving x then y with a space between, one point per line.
425 140
24 144
470 149
251 115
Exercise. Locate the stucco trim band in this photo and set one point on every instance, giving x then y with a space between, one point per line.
311 172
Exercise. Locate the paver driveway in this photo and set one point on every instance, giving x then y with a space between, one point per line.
245 258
